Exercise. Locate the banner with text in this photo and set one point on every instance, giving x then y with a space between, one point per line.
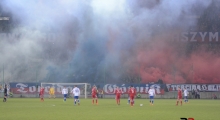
190 87
33 88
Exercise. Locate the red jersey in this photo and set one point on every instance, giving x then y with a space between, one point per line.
179 93
118 92
94 91
132 92
41 91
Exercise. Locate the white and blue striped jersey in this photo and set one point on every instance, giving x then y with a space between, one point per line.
64 91
151 92
76 91
185 92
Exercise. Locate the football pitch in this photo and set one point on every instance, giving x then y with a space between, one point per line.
56 109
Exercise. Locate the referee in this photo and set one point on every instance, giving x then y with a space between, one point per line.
5 94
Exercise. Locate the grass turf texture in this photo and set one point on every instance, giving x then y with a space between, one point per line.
56 109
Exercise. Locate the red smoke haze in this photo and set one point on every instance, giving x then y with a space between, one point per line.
169 61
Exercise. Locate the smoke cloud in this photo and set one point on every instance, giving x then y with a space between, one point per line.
105 41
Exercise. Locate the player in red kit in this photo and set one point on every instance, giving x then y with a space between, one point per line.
118 93
42 94
94 95
179 97
132 93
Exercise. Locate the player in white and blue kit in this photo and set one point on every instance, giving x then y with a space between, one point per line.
76 94
64 92
129 95
151 93
185 92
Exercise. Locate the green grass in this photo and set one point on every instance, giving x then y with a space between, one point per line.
56 109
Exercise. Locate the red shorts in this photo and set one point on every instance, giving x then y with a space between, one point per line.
179 97
131 97
117 97
42 96
94 96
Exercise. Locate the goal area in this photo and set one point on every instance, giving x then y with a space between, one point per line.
59 86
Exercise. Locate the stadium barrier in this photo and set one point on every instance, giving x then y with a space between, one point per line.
163 91
170 95
166 95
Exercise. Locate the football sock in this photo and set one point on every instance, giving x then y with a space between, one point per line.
78 100
152 101
128 101
177 102
74 101
181 102
96 101
92 101
131 102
